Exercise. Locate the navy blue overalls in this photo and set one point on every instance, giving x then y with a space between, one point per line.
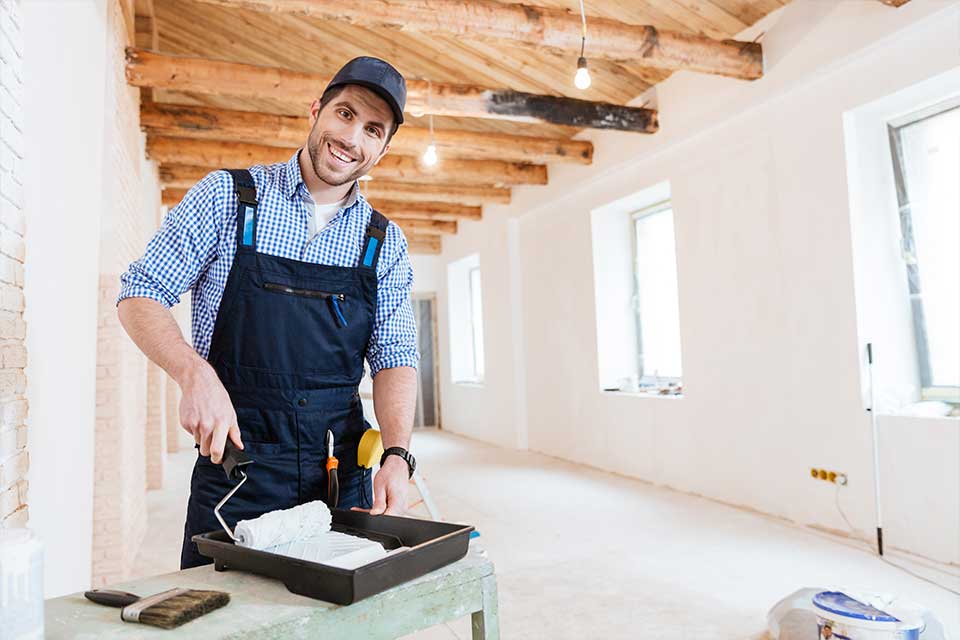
288 345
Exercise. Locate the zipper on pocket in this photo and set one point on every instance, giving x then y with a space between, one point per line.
333 298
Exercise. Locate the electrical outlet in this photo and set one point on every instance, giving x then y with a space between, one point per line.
835 477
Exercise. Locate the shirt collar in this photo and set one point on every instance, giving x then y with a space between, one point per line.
293 183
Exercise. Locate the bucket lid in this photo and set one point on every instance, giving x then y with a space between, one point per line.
843 605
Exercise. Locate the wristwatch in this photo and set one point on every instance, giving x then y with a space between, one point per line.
402 453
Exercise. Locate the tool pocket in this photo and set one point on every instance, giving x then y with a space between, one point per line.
333 299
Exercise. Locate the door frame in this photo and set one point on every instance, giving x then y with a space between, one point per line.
432 297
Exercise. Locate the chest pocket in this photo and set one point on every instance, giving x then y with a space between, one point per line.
302 326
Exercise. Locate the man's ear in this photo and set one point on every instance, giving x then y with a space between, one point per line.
314 111
382 153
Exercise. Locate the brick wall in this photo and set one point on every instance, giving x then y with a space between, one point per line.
156 436
14 460
128 443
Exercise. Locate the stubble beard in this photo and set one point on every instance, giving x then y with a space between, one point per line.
316 160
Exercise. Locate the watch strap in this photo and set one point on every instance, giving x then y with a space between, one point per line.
401 453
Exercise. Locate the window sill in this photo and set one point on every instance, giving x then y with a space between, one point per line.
643 394
926 409
468 383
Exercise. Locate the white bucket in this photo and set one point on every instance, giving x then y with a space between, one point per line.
841 617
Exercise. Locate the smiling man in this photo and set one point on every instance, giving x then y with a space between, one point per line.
294 281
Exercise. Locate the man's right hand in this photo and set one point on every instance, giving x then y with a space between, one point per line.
206 412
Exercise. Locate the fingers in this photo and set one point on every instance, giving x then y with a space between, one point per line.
379 498
204 433
395 503
234 435
218 441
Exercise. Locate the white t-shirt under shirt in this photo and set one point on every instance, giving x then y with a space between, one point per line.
324 213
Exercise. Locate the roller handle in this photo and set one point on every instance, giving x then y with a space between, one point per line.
110 598
234 461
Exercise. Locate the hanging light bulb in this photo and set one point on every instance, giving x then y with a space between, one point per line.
582 79
430 155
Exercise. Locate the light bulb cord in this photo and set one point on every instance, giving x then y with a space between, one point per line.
430 107
583 23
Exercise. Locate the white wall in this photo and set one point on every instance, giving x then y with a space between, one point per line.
426 273
64 107
489 411
765 267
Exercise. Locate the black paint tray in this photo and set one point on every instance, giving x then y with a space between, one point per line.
432 545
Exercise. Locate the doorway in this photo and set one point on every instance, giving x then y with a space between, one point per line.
428 392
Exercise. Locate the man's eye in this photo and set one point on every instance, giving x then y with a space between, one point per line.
373 131
344 113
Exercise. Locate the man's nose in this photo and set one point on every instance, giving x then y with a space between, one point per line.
352 136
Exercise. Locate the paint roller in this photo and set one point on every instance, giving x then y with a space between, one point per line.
297 523
275 527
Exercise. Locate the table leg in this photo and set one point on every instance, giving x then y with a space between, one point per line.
486 622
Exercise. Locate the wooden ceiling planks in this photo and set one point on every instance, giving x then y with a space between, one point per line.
538 28
288 41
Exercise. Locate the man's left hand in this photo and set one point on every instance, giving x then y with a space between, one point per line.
390 487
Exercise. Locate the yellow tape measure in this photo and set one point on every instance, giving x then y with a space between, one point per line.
370 449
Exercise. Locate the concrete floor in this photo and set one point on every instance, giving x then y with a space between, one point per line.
585 554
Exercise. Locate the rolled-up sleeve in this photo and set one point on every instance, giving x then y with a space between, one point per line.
393 342
185 245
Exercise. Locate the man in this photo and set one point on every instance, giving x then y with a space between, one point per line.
294 280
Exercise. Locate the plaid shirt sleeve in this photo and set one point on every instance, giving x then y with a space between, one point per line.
184 246
393 342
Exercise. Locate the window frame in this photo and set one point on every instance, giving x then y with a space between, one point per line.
644 380
475 344
928 390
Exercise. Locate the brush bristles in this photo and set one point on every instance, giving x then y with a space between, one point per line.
177 610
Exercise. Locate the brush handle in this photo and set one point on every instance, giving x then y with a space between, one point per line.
111 598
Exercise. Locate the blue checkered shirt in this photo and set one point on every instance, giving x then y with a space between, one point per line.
195 246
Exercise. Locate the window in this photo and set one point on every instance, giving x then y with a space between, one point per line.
476 323
635 284
465 296
655 297
925 148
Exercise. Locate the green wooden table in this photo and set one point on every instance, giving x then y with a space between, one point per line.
263 608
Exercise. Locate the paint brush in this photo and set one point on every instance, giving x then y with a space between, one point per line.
167 610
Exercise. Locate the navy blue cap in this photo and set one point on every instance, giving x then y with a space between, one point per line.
378 76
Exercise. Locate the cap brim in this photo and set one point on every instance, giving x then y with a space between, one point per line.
380 91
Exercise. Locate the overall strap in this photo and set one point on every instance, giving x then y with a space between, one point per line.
373 243
247 204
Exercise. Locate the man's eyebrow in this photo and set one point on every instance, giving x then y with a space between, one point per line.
348 105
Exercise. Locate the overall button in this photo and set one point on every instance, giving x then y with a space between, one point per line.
302 402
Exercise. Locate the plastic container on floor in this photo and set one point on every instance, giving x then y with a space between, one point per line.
21 585
843 617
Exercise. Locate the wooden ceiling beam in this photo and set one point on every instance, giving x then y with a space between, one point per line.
399 211
179 176
428 245
455 194
145 21
426 227
424 210
543 27
212 153
216 77
291 131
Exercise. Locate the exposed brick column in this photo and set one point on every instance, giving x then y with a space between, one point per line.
14 460
156 438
